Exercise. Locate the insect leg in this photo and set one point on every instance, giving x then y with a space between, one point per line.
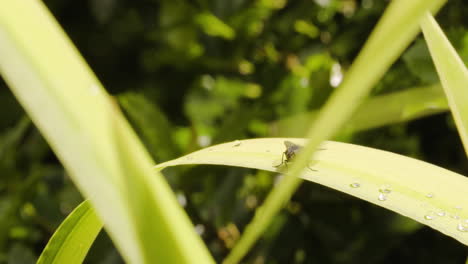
311 168
282 161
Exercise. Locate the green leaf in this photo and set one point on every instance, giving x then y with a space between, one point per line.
10 140
214 26
399 107
421 191
92 139
74 237
396 29
452 73
152 125
418 60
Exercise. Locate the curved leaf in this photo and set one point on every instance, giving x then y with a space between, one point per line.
91 138
424 192
452 73
74 237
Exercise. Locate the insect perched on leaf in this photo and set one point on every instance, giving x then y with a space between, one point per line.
291 150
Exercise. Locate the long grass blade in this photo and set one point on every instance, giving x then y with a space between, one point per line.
92 139
399 107
74 237
452 73
426 193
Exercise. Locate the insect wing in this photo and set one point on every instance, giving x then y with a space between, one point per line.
291 149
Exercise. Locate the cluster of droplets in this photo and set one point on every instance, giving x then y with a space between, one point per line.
462 225
384 191
431 215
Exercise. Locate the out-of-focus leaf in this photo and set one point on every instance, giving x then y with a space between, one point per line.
213 26
235 124
306 28
208 103
92 139
10 140
399 107
152 125
20 254
419 62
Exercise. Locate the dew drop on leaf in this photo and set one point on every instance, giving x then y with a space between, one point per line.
382 197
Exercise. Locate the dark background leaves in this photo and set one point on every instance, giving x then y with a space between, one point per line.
190 73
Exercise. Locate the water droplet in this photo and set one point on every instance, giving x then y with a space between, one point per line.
200 229
237 143
430 195
462 227
336 75
267 150
429 217
385 189
455 216
458 207
382 197
441 213
181 199
189 158
355 185
94 89
204 140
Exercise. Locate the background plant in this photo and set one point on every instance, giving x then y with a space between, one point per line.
250 72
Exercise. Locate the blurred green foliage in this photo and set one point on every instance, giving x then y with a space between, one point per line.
189 74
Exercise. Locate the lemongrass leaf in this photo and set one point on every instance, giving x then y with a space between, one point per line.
426 193
452 72
74 237
91 138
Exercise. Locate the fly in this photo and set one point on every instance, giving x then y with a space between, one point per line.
291 150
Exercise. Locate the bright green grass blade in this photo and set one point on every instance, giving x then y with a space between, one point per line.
396 29
424 192
163 230
399 107
80 122
72 240
452 73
